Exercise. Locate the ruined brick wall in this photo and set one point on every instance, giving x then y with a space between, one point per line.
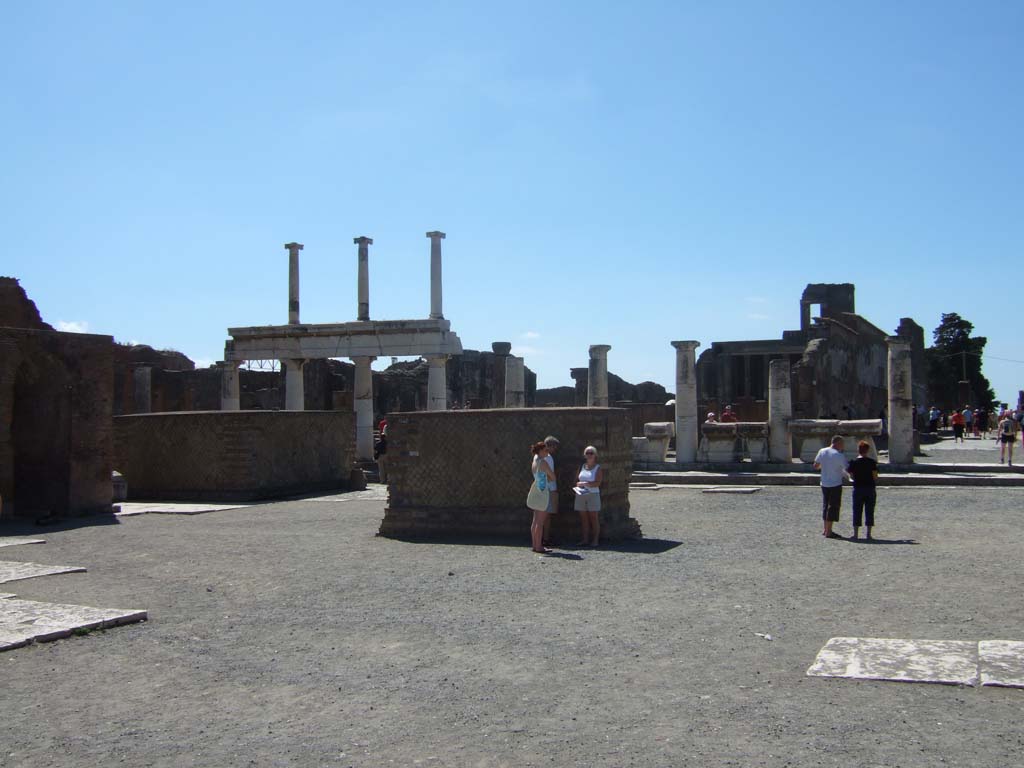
17 310
467 473
234 455
56 453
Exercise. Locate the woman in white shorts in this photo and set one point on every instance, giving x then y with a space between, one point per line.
588 497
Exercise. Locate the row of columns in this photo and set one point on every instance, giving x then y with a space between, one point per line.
780 403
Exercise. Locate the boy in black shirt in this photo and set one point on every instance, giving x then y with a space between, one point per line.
864 471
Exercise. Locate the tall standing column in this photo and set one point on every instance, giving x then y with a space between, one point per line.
230 391
515 382
143 376
363 403
437 383
435 274
686 401
294 387
364 244
293 282
501 350
901 415
597 376
780 412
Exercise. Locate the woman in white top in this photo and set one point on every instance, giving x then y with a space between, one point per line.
545 477
588 497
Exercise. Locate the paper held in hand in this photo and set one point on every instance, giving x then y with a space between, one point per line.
581 491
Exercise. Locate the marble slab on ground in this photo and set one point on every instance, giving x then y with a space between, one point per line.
26 621
1001 663
131 508
13 541
733 489
375 491
953 662
14 571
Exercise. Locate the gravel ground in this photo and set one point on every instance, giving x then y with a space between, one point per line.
290 635
971 451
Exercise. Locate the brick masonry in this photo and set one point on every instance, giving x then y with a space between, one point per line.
234 455
459 474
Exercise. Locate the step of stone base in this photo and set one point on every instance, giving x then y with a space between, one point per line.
807 479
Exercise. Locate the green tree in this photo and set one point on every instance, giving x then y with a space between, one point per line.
955 356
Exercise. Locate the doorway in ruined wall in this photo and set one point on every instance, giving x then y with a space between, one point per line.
41 436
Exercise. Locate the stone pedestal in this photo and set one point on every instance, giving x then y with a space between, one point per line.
437 383
901 417
435 274
515 382
294 387
364 244
293 282
686 401
780 412
811 435
363 398
597 378
230 395
719 443
143 376
853 431
652 448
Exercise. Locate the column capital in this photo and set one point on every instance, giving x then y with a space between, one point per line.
689 344
362 240
599 350
437 359
501 347
292 247
363 359
435 235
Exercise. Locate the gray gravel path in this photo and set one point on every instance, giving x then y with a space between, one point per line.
289 635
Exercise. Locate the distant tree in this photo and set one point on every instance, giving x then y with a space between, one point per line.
955 356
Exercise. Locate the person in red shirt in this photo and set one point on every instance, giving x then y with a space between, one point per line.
958 422
728 417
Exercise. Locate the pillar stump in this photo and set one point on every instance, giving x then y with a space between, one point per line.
686 401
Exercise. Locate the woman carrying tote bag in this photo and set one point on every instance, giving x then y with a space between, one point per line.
537 498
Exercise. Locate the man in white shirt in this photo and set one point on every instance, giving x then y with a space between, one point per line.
832 463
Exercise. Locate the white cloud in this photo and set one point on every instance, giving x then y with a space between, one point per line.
73 326
529 335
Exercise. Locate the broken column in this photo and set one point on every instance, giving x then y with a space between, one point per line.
230 394
363 403
597 377
780 412
294 387
364 244
293 282
437 383
901 416
686 401
143 376
515 382
435 274
501 350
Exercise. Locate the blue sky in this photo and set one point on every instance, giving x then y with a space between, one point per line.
619 173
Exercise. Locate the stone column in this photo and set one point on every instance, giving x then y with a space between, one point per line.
435 274
437 383
364 244
687 433
363 404
294 387
501 350
515 382
780 412
293 282
579 378
901 416
230 391
597 376
143 375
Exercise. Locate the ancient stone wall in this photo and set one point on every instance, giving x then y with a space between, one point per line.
56 453
234 455
466 473
17 310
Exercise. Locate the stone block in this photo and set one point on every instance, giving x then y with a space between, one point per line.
26 621
718 443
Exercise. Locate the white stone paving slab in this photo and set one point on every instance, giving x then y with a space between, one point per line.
12 571
733 489
373 491
4 596
131 508
13 541
26 621
953 662
1001 663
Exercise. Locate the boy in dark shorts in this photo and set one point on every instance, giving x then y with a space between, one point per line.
864 471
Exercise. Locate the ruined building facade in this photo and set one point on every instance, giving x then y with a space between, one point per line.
837 360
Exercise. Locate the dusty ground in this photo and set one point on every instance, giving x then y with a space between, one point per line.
289 635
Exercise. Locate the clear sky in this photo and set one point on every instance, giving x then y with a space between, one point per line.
618 173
